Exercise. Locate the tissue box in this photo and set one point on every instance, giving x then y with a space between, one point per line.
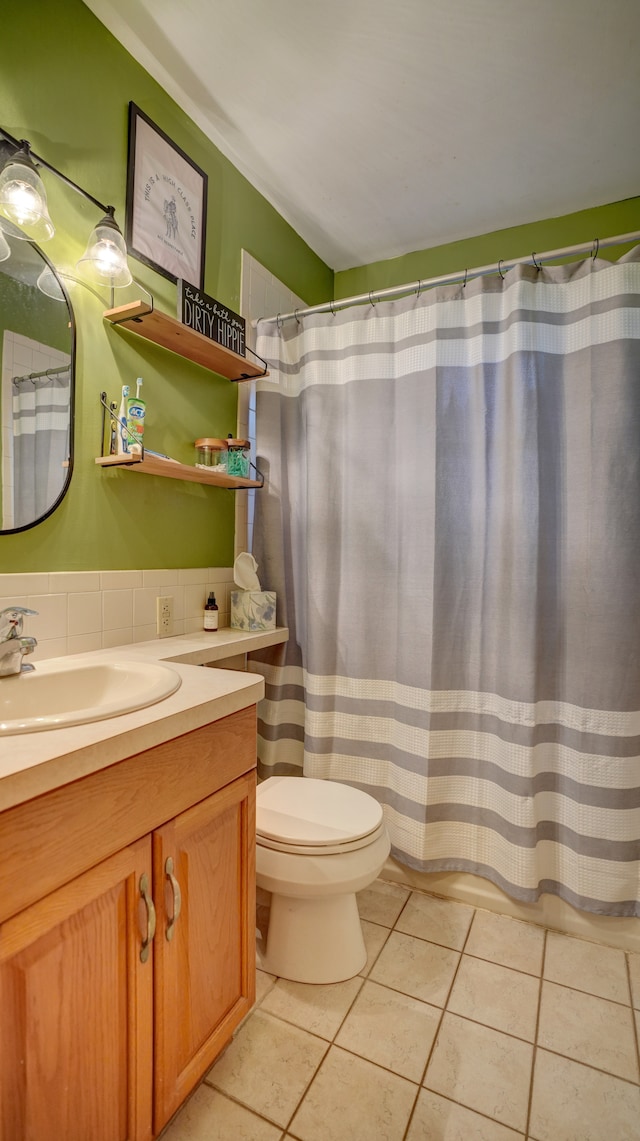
253 609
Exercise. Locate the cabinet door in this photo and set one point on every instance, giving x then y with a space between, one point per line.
76 1010
204 960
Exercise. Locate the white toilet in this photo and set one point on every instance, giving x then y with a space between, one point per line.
317 844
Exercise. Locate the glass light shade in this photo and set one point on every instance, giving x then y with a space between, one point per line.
49 285
105 258
23 198
5 248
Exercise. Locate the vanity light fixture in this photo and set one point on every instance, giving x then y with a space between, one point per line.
105 258
24 214
5 248
48 284
23 198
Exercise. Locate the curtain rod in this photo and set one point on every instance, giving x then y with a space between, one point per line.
463 275
36 375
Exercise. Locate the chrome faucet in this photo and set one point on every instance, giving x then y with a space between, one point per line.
13 646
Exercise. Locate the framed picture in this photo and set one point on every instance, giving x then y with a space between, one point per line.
166 212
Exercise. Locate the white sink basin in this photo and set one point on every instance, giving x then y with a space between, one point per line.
58 694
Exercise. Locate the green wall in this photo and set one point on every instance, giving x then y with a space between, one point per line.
65 84
517 241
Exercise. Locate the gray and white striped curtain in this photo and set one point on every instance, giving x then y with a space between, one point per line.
40 443
452 524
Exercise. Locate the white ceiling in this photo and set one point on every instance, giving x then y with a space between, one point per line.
377 127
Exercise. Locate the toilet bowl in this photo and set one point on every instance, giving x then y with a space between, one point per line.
317 843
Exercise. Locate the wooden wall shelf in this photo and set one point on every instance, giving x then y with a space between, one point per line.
140 318
153 465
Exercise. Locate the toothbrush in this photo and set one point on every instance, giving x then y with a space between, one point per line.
113 439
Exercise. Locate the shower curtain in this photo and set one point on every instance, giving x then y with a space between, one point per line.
40 443
451 521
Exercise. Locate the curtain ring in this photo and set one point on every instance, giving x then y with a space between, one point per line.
331 304
295 313
419 287
464 283
278 322
538 266
370 301
499 270
596 247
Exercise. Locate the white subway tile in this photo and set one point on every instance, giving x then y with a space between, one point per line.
112 638
160 577
144 607
85 613
83 643
120 580
73 581
51 619
220 574
177 594
193 625
190 576
194 600
48 648
23 584
145 633
117 609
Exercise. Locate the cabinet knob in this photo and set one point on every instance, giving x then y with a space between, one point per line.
177 897
151 918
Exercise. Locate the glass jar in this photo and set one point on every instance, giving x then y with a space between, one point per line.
210 452
238 458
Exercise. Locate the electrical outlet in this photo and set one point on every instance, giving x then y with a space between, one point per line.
164 616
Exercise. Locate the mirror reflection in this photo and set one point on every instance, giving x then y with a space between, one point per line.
37 340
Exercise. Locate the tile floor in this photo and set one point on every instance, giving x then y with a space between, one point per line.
463 1026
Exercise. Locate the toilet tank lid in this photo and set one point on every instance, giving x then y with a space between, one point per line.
303 810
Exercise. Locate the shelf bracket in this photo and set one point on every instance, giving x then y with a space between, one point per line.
265 370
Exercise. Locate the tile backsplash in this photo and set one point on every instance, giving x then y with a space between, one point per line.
93 610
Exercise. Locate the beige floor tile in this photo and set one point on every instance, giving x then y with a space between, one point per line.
588 1029
506 941
634 972
375 938
268 1066
382 902
391 1029
209 1116
320 1009
574 1103
496 996
264 982
437 1119
586 966
438 920
482 1069
353 1100
423 970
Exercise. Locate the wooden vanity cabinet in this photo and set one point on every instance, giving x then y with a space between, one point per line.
100 1037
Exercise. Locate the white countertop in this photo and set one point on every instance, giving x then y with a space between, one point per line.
34 763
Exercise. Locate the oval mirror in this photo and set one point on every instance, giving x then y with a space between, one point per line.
36 411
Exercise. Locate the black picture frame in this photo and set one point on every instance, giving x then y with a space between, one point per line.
166 205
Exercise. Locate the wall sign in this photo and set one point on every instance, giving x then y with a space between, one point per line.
210 317
166 202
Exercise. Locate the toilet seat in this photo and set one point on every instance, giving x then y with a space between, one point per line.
312 817
321 849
